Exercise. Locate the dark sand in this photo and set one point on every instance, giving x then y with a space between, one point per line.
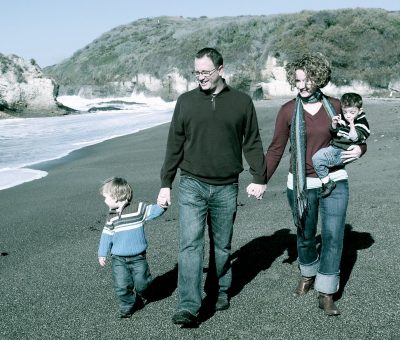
52 287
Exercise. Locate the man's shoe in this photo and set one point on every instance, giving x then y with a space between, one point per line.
327 188
304 285
222 303
185 318
325 302
125 315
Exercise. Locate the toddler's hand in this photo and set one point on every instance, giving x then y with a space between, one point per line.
335 121
102 261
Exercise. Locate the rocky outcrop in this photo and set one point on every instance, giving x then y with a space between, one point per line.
25 91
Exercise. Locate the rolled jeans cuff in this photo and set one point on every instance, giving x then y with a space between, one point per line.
327 284
309 270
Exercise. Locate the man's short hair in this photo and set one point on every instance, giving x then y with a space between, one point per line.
213 54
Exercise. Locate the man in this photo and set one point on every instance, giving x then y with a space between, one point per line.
210 127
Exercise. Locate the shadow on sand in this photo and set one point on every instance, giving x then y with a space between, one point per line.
258 255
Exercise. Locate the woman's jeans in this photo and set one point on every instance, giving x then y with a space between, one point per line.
326 158
332 209
131 275
200 202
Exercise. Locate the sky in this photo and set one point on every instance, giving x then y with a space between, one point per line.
50 31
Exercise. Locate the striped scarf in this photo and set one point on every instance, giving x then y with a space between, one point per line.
298 148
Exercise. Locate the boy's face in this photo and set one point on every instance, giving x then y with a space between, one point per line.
350 113
111 202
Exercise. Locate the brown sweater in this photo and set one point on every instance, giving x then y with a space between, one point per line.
317 136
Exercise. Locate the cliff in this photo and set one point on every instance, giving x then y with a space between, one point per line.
25 91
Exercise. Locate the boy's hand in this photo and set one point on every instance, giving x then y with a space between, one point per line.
102 261
335 121
164 197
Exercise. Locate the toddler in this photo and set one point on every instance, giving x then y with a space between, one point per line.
353 130
124 239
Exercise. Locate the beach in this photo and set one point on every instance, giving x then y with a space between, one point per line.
52 287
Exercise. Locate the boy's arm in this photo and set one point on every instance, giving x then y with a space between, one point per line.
105 242
153 211
353 135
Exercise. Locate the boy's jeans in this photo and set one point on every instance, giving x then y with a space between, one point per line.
332 209
130 274
197 200
326 158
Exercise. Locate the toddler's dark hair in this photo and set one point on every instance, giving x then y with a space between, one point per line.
351 99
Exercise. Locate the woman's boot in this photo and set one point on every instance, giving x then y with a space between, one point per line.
304 286
326 303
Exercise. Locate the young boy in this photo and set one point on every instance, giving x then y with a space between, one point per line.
124 239
355 130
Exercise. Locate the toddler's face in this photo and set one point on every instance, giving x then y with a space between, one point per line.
350 113
111 202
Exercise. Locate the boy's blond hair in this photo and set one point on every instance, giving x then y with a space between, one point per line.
118 188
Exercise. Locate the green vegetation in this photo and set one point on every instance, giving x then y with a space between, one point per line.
362 44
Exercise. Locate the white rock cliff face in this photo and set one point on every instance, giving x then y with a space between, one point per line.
23 87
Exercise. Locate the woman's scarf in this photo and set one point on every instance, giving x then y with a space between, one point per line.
298 148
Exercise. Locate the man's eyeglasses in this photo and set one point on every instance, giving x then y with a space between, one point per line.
205 74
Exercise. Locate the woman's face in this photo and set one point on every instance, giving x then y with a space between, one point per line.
304 86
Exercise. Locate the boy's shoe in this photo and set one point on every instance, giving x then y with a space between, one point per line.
327 188
185 319
125 315
222 302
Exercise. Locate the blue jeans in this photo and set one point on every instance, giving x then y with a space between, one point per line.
326 266
131 275
326 158
197 201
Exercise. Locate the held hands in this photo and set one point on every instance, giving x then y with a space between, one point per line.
164 197
351 154
256 190
102 261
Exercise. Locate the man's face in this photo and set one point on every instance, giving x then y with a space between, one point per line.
208 75
350 113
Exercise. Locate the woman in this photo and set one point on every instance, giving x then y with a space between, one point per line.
305 121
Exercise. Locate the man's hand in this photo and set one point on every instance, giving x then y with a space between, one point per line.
164 197
351 154
102 261
256 190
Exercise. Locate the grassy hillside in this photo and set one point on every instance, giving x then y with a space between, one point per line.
362 44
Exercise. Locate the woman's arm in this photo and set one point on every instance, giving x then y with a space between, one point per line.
279 140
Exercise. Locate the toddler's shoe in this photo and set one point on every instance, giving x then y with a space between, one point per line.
327 188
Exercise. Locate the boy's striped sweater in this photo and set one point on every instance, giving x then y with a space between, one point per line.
341 137
123 233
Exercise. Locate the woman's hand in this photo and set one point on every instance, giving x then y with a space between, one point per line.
351 154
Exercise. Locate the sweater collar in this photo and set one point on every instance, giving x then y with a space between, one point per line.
209 93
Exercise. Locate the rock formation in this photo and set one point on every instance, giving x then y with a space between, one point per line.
25 91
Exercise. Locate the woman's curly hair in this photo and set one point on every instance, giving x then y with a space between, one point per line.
315 66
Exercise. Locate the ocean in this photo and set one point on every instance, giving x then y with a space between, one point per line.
28 141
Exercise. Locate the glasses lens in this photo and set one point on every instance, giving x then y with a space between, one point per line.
205 74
